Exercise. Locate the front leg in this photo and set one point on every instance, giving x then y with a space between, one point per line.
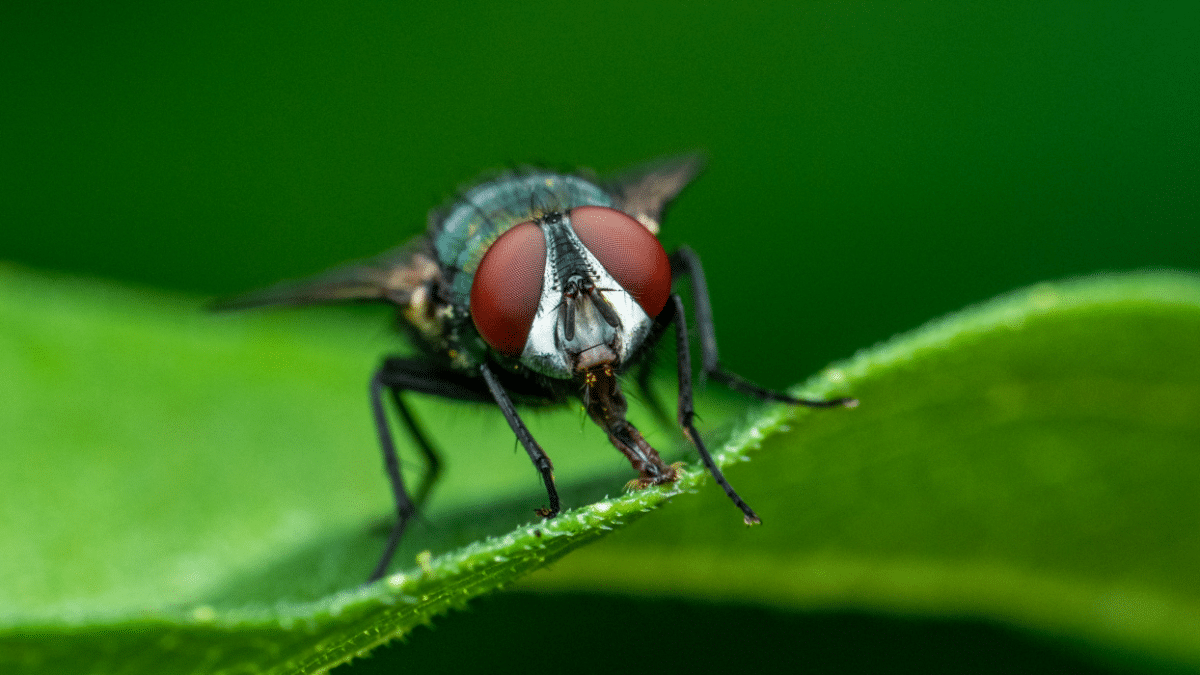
685 262
538 456
673 312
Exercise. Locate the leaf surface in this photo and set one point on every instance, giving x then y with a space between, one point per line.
190 493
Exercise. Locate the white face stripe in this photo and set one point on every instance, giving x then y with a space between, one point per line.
547 350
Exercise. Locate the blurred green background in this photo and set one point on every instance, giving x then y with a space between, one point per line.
873 165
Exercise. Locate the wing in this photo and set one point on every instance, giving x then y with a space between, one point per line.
644 191
392 277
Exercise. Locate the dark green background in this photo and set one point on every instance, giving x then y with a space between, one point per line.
872 165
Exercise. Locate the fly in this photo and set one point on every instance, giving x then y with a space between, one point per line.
532 288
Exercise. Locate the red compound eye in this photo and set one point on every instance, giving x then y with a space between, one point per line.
508 287
628 251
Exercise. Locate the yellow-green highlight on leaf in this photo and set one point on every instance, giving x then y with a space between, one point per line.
188 493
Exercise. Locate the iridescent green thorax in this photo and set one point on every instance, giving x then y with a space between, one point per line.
489 210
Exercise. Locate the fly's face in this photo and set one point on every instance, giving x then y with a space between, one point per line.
571 290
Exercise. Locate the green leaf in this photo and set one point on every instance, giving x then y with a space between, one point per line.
1034 460
184 492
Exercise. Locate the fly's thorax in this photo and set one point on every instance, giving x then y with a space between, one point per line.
445 330
464 233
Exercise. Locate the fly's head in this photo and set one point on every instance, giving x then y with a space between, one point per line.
572 290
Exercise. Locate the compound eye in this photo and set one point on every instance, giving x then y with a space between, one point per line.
630 253
508 287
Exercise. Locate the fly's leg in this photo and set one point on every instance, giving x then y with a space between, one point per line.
405 509
687 412
433 463
684 261
397 375
536 454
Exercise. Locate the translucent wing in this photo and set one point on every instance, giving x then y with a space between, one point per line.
392 276
643 192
